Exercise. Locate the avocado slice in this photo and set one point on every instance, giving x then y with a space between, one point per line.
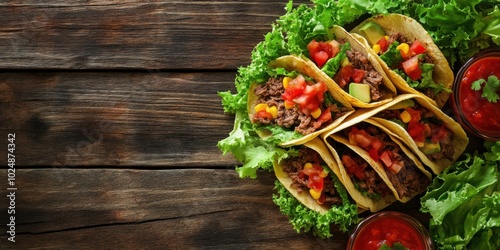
408 103
360 91
430 148
372 32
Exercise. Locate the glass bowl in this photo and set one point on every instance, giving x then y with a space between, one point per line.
474 112
389 227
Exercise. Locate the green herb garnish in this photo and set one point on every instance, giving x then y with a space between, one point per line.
491 87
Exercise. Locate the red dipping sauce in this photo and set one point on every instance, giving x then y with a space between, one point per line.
474 112
389 228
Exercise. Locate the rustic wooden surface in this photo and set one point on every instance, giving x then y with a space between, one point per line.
115 109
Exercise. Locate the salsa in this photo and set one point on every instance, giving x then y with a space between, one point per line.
388 230
481 114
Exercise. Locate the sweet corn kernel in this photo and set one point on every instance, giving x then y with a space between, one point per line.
261 107
316 113
273 110
420 143
289 105
376 48
308 165
405 116
286 82
403 47
344 62
315 194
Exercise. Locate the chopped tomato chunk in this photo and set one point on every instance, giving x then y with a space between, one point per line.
384 44
412 68
358 75
417 48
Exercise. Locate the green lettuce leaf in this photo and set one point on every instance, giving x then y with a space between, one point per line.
464 203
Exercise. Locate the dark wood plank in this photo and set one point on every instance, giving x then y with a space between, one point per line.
153 209
115 119
133 34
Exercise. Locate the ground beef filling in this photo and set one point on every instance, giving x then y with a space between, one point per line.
409 180
447 149
294 165
371 76
270 93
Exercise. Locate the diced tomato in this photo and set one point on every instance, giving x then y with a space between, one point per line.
343 77
439 133
353 168
358 75
396 166
415 114
416 131
377 144
384 44
386 159
412 68
307 96
325 117
360 138
417 48
416 74
373 154
320 58
264 114
320 52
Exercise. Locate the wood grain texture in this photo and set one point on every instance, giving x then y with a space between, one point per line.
154 209
116 119
133 34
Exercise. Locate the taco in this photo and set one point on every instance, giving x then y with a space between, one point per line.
311 176
436 138
408 55
297 102
395 163
358 75
357 172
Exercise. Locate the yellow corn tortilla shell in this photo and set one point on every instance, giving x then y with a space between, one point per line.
305 198
306 68
340 33
363 201
412 30
377 166
459 138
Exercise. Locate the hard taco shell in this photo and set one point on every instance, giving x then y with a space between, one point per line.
305 198
412 30
340 33
306 68
459 138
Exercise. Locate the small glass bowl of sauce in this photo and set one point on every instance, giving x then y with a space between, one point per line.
471 106
390 228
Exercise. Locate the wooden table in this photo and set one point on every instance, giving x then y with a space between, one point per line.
116 118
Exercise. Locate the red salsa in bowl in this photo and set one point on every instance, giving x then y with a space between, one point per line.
476 95
390 229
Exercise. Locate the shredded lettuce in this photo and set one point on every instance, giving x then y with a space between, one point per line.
333 65
304 219
464 202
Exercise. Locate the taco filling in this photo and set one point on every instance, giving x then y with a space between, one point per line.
406 178
363 176
405 57
309 174
431 136
297 103
350 69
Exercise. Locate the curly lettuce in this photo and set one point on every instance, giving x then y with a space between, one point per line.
464 202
